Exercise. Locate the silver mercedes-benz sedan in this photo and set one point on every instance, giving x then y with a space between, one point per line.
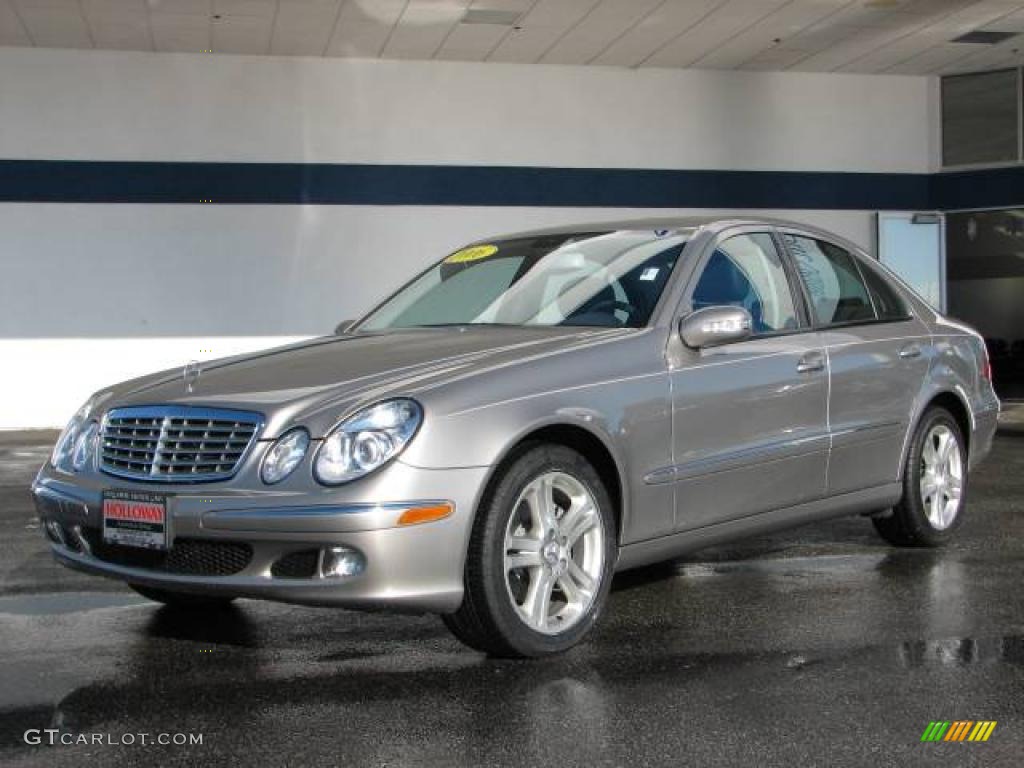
526 417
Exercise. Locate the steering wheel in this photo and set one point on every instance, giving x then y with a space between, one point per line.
614 304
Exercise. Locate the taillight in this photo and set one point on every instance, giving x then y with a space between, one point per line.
986 364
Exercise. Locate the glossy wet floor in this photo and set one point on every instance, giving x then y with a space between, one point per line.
817 646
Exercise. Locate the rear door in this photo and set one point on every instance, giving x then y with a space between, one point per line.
877 356
748 418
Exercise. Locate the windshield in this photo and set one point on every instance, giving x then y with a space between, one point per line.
611 279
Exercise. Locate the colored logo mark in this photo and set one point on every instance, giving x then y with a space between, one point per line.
959 730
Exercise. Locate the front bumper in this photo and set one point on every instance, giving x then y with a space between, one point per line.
413 568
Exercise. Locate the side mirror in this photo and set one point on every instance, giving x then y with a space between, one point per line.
342 327
712 326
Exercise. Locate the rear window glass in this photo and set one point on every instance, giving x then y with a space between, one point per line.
888 303
836 289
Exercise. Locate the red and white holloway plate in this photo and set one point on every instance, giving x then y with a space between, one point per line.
135 519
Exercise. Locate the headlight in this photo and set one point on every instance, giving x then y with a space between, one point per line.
85 445
367 441
69 437
284 456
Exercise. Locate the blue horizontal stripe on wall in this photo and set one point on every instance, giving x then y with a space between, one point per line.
989 188
326 184
66 181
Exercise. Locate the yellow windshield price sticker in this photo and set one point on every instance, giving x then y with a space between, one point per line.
473 253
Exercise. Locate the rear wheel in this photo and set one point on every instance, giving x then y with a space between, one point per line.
540 557
934 485
182 599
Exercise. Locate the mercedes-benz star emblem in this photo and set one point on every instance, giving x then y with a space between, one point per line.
191 374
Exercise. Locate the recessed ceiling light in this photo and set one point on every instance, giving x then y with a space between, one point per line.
984 37
491 16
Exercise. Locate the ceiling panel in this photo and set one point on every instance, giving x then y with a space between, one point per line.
180 7
113 8
861 42
1012 22
597 29
783 24
773 59
303 27
423 27
526 46
128 31
12 32
264 9
711 32
55 27
242 34
181 32
935 34
1005 54
52 4
865 36
930 60
557 13
540 29
472 42
656 29
363 27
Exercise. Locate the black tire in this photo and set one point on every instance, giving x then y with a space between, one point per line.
182 599
908 525
487 619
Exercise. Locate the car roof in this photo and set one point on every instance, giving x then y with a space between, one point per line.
716 223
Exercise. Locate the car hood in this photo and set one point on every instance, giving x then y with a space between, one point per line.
320 380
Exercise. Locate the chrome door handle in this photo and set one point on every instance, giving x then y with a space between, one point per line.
911 350
812 361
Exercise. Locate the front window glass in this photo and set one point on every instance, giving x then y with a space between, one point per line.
746 271
611 279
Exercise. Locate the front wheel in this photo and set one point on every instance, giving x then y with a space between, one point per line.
540 557
934 485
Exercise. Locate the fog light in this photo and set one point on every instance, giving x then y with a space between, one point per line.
55 531
341 561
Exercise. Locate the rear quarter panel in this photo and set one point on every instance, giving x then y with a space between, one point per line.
958 358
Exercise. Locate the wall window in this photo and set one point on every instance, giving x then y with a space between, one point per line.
835 286
986 287
980 118
746 271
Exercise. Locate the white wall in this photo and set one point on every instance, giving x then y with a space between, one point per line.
93 293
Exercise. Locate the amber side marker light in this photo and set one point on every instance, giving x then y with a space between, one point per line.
427 514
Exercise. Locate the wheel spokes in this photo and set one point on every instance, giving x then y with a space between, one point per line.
554 552
538 598
928 452
580 518
522 552
581 577
929 487
944 448
942 476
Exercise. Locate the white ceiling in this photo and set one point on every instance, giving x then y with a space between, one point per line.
868 36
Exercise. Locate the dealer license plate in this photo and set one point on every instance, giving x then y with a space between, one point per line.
135 519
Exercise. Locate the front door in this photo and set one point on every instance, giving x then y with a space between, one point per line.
749 418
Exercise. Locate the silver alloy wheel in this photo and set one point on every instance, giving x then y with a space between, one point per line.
553 553
942 477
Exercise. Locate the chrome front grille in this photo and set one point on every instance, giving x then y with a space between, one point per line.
176 444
